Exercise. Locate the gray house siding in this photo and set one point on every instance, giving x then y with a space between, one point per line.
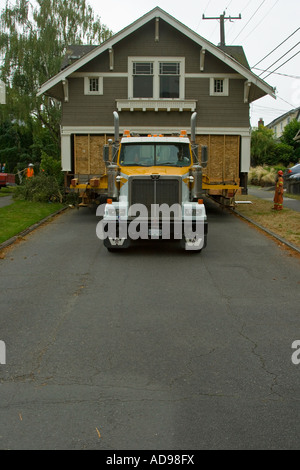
83 110
223 111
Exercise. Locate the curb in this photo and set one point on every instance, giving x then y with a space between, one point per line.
12 240
281 240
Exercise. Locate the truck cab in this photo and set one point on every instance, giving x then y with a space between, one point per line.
155 192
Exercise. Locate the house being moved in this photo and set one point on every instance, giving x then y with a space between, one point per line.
155 73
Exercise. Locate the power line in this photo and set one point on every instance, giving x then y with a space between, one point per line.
249 20
282 64
276 47
204 12
292 105
277 73
250 1
268 12
207 5
280 58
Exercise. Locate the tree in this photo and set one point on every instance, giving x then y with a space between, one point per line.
33 40
287 138
262 145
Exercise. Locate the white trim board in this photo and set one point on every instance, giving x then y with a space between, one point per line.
68 130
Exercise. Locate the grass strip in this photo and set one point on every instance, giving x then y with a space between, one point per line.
285 223
20 215
8 191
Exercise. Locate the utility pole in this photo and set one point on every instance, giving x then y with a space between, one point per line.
222 19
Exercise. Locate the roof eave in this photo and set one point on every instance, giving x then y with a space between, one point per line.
158 12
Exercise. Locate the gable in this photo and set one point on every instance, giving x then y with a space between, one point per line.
159 34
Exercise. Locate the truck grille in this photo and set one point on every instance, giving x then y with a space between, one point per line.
147 191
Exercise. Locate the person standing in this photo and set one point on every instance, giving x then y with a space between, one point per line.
30 171
278 197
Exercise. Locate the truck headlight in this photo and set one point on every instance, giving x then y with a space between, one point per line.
115 211
192 211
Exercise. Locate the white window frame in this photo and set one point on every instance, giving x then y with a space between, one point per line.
87 85
225 91
156 61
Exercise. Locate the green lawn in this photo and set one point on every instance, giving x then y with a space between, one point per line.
7 191
22 214
285 223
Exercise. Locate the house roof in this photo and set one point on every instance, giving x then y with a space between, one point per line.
233 56
75 52
276 121
237 52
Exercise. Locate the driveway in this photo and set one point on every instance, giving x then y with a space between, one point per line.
152 348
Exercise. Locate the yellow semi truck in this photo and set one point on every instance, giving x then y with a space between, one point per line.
152 189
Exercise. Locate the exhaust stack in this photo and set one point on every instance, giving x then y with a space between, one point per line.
193 128
116 124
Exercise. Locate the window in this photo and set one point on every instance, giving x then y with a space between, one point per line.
156 78
143 80
93 85
169 73
218 87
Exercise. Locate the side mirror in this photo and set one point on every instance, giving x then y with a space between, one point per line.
204 156
106 154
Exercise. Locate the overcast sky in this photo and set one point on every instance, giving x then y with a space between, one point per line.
265 24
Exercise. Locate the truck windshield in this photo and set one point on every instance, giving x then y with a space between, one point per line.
155 154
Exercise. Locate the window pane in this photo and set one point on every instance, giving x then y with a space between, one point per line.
169 86
94 84
169 68
218 87
142 68
142 86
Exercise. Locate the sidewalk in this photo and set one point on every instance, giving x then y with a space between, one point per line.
268 195
6 201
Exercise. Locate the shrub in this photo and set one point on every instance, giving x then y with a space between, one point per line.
268 179
40 188
262 176
52 167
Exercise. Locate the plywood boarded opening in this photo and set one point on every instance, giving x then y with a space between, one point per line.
88 154
223 157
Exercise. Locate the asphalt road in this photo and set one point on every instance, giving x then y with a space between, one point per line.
152 348
268 195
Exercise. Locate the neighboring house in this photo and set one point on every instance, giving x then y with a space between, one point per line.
297 136
156 72
278 124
